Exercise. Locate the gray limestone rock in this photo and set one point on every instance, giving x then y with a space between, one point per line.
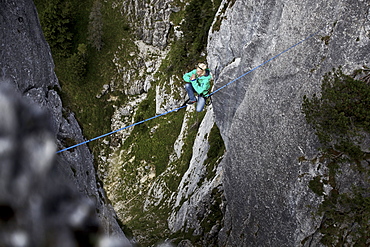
26 63
265 192
260 115
150 19
39 204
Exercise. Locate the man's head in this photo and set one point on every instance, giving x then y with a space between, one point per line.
201 69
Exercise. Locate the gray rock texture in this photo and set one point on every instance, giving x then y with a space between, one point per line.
150 20
265 172
39 206
26 63
260 115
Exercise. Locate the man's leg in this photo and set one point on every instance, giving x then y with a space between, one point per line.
200 104
189 88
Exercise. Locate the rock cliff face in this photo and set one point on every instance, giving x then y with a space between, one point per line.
258 195
150 19
26 63
260 117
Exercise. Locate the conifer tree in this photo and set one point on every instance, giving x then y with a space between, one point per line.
340 116
56 23
95 29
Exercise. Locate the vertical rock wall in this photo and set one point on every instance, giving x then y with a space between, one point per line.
150 19
260 114
26 63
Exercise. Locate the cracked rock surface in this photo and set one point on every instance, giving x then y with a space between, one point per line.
27 66
260 116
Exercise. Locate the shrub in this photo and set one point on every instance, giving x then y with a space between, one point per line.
216 150
341 117
341 113
76 65
56 22
187 51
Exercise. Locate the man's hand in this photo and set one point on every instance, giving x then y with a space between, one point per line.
192 77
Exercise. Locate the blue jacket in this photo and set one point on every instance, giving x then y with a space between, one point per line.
201 84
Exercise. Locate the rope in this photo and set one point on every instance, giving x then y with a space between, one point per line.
132 125
300 42
183 106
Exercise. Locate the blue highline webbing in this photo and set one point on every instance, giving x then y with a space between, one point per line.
300 42
134 124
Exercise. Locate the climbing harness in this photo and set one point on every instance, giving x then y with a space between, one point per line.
185 105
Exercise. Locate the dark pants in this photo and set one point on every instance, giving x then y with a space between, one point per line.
191 92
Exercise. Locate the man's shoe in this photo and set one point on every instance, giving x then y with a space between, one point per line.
190 102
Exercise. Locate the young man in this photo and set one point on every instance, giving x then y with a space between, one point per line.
198 81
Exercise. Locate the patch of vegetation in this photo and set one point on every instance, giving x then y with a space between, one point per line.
346 218
182 164
156 146
147 144
340 114
341 120
76 64
83 69
56 17
187 51
155 224
89 36
216 26
216 150
152 142
95 28
316 186
325 39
